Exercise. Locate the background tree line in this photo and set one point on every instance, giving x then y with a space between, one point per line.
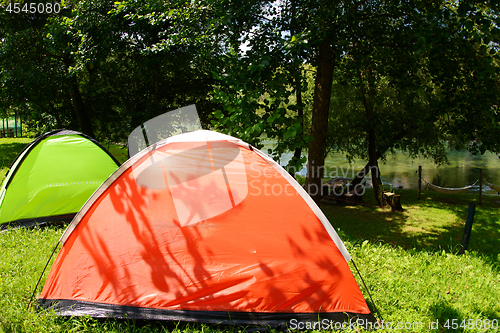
362 77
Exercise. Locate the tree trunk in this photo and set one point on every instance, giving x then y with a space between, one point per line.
378 189
366 169
359 176
296 72
300 115
319 121
79 107
373 156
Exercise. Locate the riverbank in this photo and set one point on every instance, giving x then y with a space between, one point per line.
400 171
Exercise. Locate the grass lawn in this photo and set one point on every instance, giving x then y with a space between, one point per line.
120 152
434 223
408 260
9 148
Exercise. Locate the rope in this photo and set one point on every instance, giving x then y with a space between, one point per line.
490 185
449 190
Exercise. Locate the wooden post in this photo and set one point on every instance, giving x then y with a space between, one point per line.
15 123
480 185
468 227
419 181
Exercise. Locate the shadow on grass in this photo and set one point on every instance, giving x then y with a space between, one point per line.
120 152
434 223
445 317
9 152
9 149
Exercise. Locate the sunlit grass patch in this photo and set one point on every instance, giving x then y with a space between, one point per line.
428 223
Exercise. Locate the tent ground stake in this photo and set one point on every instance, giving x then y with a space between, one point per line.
41 275
367 290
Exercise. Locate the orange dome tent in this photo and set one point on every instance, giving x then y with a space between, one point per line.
203 227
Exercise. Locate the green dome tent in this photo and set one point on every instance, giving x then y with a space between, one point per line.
52 178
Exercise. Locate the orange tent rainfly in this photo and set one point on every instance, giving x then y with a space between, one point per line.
203 227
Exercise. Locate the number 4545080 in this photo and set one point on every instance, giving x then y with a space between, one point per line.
33 7
489 324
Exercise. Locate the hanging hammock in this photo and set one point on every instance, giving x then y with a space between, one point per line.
495 187
449 190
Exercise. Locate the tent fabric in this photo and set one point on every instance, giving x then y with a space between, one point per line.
203 227
52 178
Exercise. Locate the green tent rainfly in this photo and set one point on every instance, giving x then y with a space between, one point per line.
52 178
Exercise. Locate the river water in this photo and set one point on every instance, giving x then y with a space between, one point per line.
401 171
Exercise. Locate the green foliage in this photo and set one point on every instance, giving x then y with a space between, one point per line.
415 75
416 78
264 90
416 82
104 67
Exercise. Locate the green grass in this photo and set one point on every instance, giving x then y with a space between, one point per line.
415 286
408 259
434 223
120 152
9 148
